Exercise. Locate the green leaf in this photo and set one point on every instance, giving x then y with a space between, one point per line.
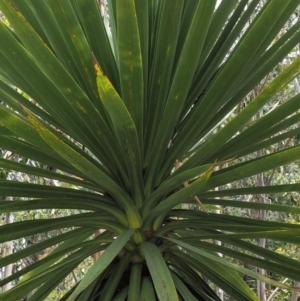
147 290
229 77
240 120
135 282
183 290
159 271
126 132
167 14
115 97
14 257
106 258
68 245
215 260
96 35
244 170
130 61
87 168
226 278
182 79
30 227
158 213
62 270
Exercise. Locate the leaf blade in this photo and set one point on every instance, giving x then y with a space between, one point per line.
161 277
110 253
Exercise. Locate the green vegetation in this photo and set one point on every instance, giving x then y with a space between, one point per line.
126 115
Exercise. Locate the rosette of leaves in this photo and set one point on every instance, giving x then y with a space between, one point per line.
127 112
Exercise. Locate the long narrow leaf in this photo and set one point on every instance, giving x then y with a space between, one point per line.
110 253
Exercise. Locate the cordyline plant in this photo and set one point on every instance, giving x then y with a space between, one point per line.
127 114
